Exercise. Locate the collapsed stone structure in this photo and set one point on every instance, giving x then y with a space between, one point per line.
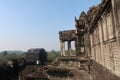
67 35
97 36
36 56
73 35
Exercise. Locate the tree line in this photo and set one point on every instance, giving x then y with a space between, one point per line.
51 55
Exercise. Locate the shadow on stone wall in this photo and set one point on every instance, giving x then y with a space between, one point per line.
101 73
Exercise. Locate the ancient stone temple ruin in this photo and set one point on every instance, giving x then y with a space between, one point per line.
97 50
97 37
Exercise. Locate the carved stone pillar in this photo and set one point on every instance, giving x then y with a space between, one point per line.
78 50
116 12
63 48
69 48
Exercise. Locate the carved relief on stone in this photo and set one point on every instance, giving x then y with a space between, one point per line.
67 35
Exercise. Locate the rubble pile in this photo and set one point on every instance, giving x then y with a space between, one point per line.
59 71
34 72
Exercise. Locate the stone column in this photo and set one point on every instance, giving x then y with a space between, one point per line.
78 46
116 11
63 48
69 48
116 18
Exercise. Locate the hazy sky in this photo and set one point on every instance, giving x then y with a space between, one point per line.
26 24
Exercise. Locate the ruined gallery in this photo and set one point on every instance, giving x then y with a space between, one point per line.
97 37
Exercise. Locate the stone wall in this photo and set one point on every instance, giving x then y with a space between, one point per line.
103 31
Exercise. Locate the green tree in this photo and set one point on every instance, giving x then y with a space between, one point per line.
52 55
4 53
6 56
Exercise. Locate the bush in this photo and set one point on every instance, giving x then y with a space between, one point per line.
52 55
